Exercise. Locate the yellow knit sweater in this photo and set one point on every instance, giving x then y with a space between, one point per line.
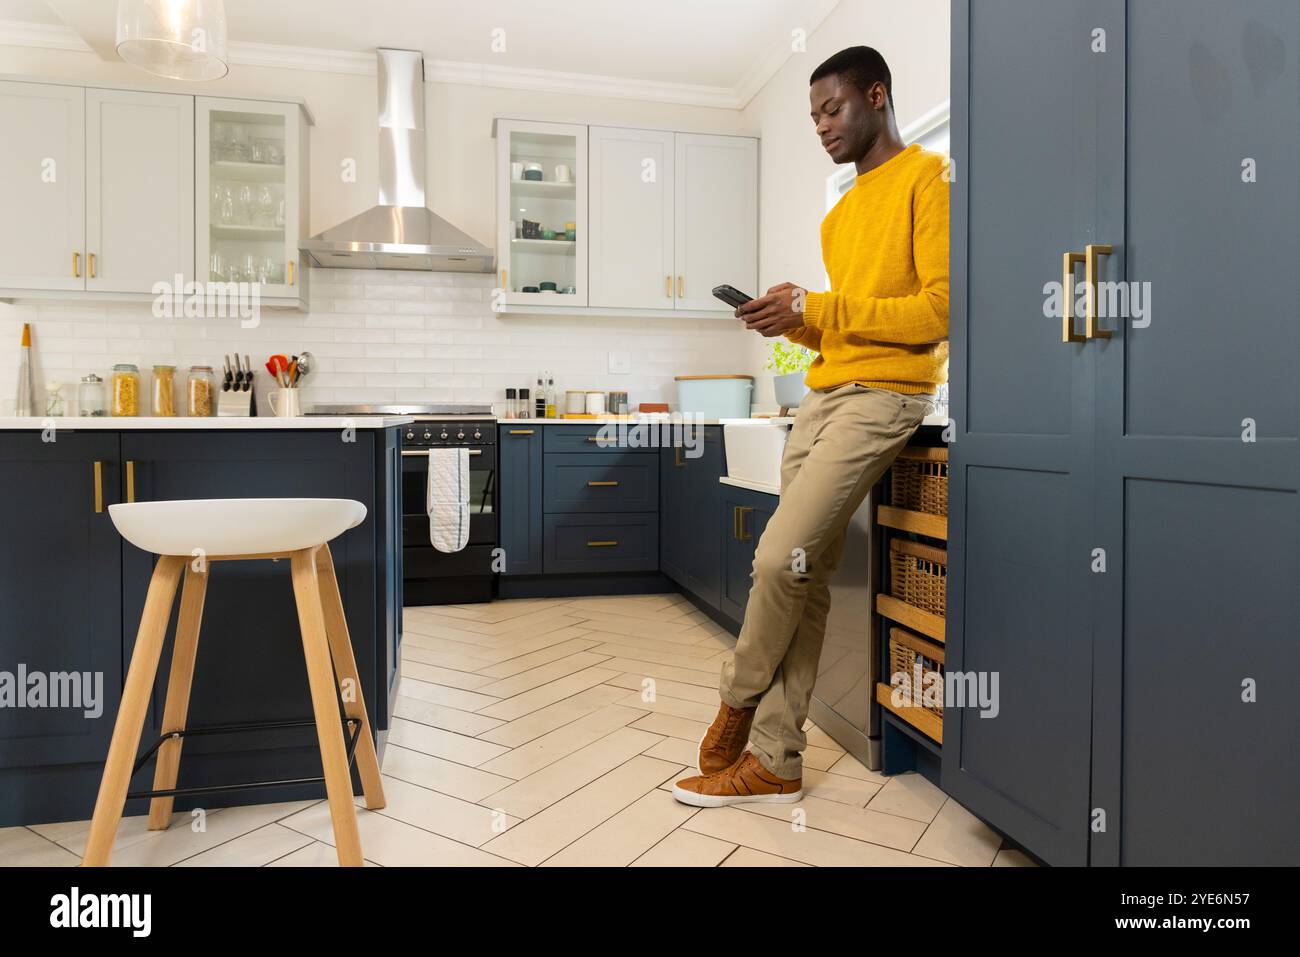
885 244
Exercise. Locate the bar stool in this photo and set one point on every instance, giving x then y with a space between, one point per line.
186 535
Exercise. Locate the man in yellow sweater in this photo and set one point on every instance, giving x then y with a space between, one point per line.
881 337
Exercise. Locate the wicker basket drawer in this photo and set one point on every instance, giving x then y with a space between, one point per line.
919 480
907 653
918 575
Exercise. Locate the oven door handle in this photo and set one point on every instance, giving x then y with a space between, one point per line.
425 452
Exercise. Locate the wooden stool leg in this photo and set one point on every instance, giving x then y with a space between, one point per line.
176 710
324 700
130 714
345 665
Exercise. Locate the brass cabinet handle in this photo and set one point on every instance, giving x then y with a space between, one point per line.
76 265
601 484
735 522
92 265
738 514
99 487
521 431
503 279
1068 262
601 544
593 438
668 286
677 457
681 286
1091 252
130 480
291 272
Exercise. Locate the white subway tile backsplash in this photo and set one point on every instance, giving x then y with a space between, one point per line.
379 337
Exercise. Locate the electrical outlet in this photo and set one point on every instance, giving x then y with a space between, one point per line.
620 363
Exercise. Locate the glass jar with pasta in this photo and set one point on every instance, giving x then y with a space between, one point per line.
199 391
164 390
126 389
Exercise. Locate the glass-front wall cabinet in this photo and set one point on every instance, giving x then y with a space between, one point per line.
251 166
541 241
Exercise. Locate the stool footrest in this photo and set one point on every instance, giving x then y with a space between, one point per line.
353 733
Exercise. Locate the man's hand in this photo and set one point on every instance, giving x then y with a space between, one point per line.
775 313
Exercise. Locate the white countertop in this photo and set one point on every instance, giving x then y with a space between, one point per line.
671 418
752 486
147 423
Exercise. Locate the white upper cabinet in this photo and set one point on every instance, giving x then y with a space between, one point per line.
631 218
541 193
139 190
42 184
716 218
252 196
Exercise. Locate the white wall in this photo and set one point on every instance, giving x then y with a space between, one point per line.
446 345
914 39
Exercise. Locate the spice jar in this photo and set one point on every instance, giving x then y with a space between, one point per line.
92 397
199 391
126 389
164 390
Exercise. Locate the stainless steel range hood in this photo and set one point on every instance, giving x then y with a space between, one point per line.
400 232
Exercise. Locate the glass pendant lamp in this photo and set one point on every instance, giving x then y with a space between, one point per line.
180 39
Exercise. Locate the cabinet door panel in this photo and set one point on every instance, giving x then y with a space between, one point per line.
520 484
631 212
715 218
60 582
42 186
672 515
703 549
139 189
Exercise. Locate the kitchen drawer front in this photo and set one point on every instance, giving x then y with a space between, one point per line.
601 542
601 482
583 438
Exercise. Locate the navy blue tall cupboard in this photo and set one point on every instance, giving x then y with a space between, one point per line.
1124 533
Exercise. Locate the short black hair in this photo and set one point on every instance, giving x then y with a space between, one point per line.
862 66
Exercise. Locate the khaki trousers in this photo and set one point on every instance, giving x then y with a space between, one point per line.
842 442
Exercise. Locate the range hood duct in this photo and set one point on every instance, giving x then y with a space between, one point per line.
401 232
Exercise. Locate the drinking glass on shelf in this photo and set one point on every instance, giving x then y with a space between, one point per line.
240 150
265 206
279 211
245 204
227 211
253 268
274 153
257 151
273 271
217 268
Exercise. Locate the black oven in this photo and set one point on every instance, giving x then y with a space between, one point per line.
432 577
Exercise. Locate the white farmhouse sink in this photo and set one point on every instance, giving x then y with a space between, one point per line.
754 448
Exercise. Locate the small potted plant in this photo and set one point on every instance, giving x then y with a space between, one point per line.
789 361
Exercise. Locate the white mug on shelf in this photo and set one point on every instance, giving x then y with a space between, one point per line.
516 170
284 403
563 174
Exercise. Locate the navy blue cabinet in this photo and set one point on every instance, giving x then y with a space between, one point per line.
520 498
601 482
743 517
690 549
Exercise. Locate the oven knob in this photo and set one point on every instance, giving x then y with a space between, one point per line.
478 434
427 435
410 436
444 435
460 435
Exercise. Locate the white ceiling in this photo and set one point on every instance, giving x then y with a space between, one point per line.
716 51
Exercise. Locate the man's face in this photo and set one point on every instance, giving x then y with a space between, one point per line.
847 119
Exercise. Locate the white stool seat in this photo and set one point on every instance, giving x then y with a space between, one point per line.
234 526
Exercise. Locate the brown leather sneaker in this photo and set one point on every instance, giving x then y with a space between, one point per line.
745 782
725 739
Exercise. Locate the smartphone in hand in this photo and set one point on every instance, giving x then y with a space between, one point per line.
731 296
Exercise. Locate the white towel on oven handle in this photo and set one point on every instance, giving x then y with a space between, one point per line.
448 498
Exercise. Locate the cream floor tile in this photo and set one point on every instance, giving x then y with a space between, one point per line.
531 619
180 841
1010 857
748 857
393 843
451 817
820 739
555 628
254 849
441 716
627 835
633 653
677 751
22 847
909 795
537 723
820 759
546 750
649 669
417 646
959 837
549 693
446 777
810 846
414 686
673 689
496 611
542 674
451 678
887 830
619 608
851 767
674 651
668 724
559 825
678 707
633 627
313 854
685 849
837 787
442 744
556 781
513 666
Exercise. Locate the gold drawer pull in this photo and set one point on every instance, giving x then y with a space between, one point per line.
1068 261
600 484
668 286
1090 254
681 286
76 265
738 532
99 487
593 438
291 272
92 265
601 544
521 431
130 481
677 457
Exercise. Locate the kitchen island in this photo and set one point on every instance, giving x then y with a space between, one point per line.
72 592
